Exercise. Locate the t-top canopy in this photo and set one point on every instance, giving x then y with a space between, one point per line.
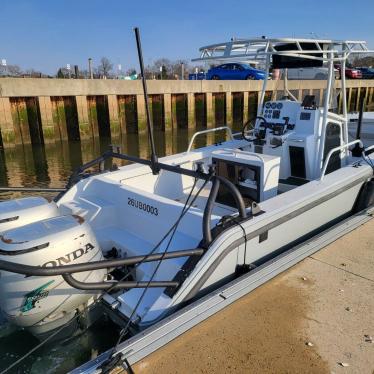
285 52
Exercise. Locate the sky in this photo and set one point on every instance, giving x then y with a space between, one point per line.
47 34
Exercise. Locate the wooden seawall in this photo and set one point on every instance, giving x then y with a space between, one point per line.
39 111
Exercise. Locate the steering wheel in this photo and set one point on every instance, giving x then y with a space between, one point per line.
252 122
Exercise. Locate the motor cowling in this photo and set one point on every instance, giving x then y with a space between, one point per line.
42 304
19 212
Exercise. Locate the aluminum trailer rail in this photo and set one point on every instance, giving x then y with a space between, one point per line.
158 335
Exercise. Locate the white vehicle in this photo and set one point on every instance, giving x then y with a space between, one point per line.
173 229
316 73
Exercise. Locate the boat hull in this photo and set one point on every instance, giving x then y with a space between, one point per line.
320 205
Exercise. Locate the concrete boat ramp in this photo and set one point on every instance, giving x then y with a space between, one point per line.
316 317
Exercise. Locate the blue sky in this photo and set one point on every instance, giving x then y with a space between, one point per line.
46 34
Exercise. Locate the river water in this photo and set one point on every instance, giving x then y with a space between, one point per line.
50 166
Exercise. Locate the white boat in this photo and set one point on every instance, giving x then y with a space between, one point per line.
147 238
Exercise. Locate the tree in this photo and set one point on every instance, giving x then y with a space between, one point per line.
84 73
10 71
367 61
105 67
60 74
130 72
166 66
14 70
32 73
176 68
63 73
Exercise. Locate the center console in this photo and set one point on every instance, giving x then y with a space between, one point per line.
256 176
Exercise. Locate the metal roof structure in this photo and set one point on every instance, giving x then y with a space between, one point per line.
260 48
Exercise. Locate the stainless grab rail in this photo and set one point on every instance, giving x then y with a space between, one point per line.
336 149
207 131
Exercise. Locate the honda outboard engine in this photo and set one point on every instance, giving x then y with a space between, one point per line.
42 304
19 212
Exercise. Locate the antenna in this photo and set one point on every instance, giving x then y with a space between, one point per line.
154 160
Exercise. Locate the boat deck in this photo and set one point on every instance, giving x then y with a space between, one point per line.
314 318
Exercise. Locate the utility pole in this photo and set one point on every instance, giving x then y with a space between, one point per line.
182 77
76 71
90 68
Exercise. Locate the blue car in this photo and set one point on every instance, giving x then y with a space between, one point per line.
235 71
367 73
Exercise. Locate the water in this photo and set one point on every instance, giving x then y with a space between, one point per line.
50 166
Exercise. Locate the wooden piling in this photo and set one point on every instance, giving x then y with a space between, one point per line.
20 120
168 112
229 115
245 107
48 127
209 110
85 130
6 123
115 129
59 118
140 109
191 110
29 111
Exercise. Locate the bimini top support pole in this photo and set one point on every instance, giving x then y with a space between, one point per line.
326 107
263 92
343 93
154 160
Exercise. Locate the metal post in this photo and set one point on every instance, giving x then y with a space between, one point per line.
267 66
285 82
76 71
343 92
182 68
358 149
321 135
90 68
286 90
154 160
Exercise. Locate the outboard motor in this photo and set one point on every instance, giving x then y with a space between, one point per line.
42 304
19 212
